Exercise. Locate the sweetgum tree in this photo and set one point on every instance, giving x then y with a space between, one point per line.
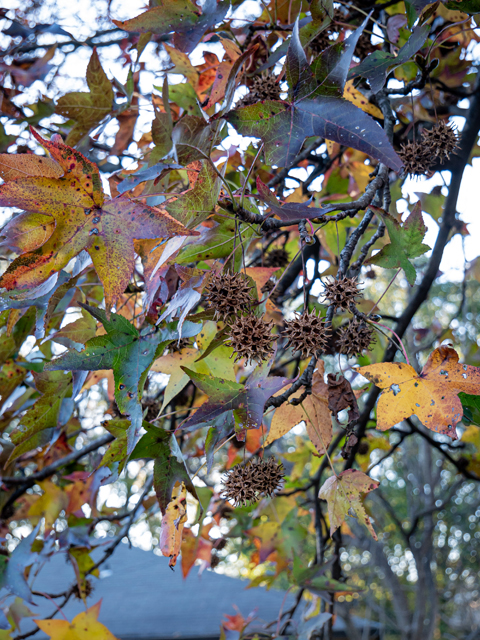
216 293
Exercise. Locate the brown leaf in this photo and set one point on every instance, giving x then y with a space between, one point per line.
341 396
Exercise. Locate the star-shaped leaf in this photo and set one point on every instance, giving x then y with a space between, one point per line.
84 626
246 401
84 219
405 242
88 109
316 108
129 352
431 395
342 493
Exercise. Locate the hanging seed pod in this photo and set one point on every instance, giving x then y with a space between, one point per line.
307 333
416 159
276 258
264 87
251 338
268 476
245 484
228 294
355 338
342 293
440 141
239 485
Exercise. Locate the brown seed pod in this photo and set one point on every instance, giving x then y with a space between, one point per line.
276 258
416 158
355 338
440 141
307 333
268 476
228 294
364 46
239 485
264 87
342 292
251 338
245 484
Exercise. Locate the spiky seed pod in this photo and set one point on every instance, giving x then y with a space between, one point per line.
364 46
251 338
244 484
87 590
322 41
355 338
440 141
239 485
417 161
276 258
264 87
269 287
307 333
268 476
228 294
342 293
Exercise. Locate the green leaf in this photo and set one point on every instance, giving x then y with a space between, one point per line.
467 6
169 466
471 408
405 242
35 425
88 109
127 351
215 242
317 108
195 205
183 17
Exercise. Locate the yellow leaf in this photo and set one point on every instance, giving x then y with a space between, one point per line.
85 626
430 395
342 493
359 100
50 504
172 524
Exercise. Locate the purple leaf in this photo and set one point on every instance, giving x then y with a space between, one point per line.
290 210
284 127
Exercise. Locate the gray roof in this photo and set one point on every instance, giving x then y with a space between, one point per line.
142 598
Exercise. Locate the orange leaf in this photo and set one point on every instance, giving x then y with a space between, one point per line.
430 395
